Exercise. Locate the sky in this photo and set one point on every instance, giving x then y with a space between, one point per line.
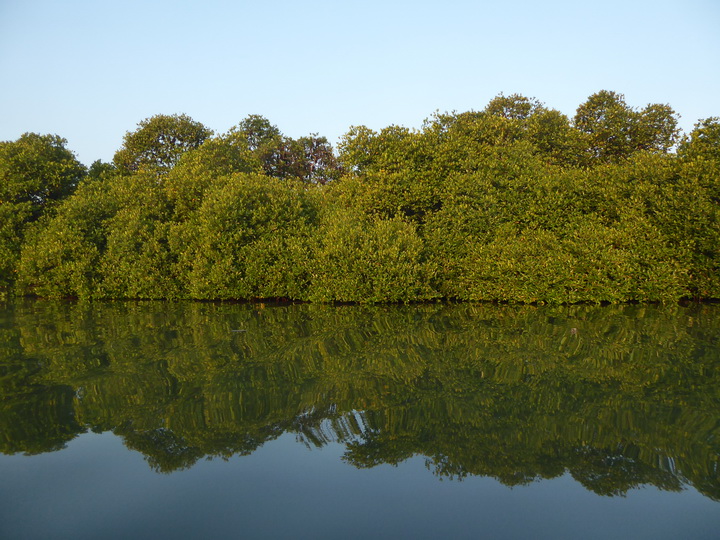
90 70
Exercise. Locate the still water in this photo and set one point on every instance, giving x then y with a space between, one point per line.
187 420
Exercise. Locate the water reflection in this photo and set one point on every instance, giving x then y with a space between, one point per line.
618 396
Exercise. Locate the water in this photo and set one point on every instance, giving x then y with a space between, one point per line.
150 420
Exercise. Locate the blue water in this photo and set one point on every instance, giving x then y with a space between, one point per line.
97 488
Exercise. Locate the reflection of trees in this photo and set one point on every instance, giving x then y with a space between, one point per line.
617 396
23 396
613 471
38 420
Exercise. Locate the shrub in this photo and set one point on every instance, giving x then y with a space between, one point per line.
247 240
360 258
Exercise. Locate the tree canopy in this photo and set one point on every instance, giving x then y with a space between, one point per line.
36 172
615 130
37 169
515 203
158 142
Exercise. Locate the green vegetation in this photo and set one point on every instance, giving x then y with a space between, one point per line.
36 172
514 203
618 396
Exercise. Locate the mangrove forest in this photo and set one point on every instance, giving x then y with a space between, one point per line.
516 202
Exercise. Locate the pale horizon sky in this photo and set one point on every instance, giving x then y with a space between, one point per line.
89 71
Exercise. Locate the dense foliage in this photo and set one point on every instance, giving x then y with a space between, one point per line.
36 172
516 203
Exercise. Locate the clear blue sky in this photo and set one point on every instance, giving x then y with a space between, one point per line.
90 70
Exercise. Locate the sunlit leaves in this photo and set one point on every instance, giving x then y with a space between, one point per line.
61 255
615 130
515 106
367 259
513 203
158 143
36 171
247 239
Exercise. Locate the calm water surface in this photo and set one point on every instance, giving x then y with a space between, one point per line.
154 420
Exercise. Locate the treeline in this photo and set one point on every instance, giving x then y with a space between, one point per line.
516 202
